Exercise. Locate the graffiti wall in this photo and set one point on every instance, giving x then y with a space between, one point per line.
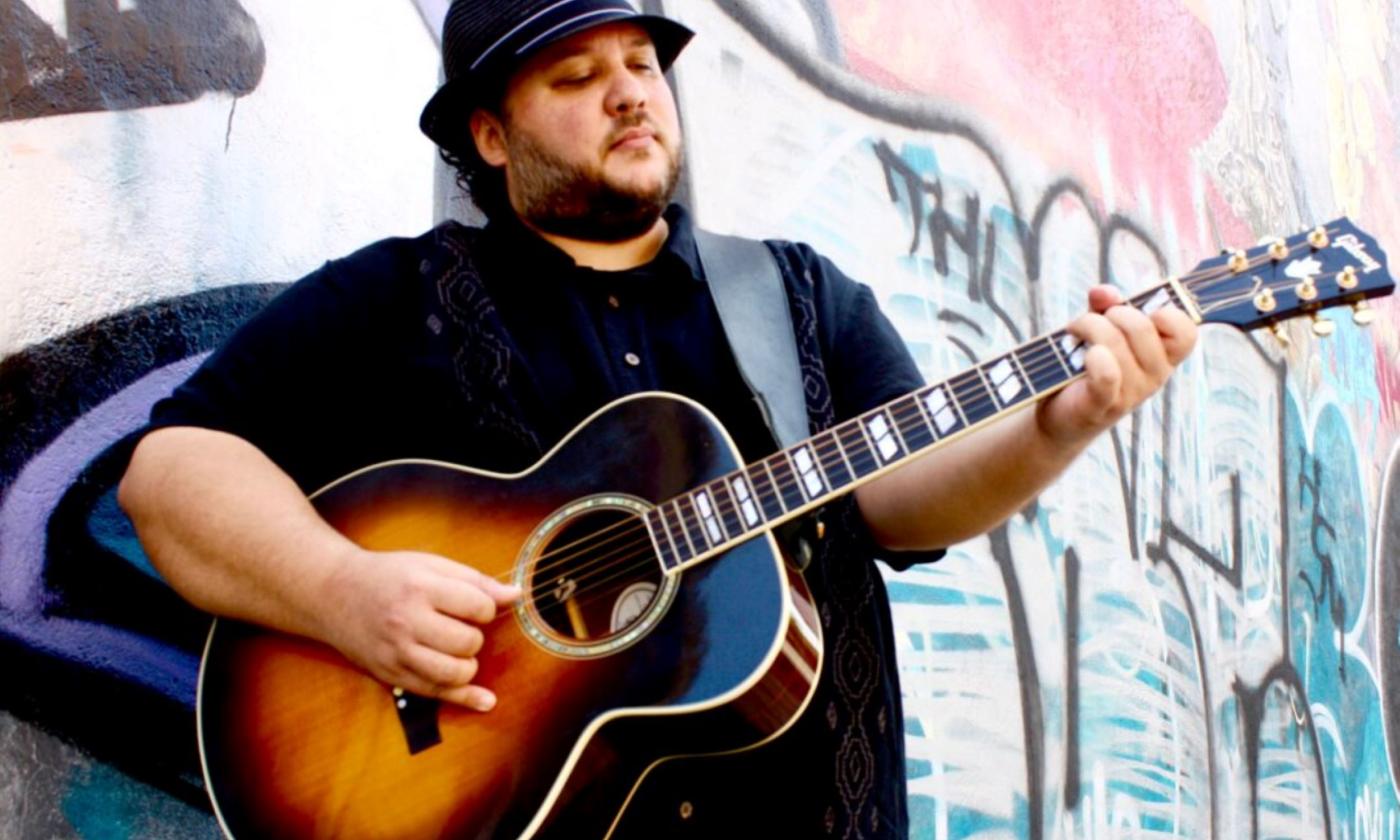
1194 634
1191 635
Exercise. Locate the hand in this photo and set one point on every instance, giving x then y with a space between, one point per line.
415 621
1130 356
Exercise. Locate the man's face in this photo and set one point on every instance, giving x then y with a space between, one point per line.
588 136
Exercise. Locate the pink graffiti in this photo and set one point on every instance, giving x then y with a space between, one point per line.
1140 76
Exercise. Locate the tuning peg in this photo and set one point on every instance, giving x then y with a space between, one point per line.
1322 327
1361 314
1319 238
1265 300
1278 250
1307 290
1282 337
1238 262
1346 278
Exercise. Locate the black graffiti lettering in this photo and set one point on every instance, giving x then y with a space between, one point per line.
159 52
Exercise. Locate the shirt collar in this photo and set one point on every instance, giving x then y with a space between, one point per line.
522 246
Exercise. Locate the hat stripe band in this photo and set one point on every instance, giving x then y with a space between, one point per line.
619 6
613 13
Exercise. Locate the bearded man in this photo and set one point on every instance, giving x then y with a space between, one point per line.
487 347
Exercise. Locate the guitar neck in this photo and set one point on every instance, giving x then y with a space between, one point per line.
691 527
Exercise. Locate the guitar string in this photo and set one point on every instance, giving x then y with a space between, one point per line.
832 445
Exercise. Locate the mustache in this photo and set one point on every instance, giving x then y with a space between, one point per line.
628 122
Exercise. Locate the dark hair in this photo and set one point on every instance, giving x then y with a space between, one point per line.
486 184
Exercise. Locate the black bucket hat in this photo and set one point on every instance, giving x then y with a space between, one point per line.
484 41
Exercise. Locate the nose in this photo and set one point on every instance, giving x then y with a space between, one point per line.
626 95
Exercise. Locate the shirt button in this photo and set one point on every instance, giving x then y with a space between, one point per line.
632 359
687 810
614 302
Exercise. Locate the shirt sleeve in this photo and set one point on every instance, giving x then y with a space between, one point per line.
290 372
867 362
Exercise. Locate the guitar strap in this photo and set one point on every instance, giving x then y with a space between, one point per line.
752 300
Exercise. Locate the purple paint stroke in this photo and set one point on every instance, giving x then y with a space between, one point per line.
24 516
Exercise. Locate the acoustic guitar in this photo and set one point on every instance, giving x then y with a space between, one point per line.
659 618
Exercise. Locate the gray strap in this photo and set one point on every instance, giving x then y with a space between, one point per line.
748 291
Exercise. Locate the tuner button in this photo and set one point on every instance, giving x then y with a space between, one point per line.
1307 290
1362 315
1284 341
1278 250
1318 238
1322 327
1265 301
1239 262
1346 279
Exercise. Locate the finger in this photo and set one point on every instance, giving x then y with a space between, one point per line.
502 593
1102 298
1178 332
474 697
450 636
497 591
441 671
1104 381
463 599
1143 341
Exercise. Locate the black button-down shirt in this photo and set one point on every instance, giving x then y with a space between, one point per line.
349 367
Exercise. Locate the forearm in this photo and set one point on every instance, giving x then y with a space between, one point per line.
966 488
230 531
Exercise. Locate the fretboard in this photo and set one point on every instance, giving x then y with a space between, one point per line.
695 525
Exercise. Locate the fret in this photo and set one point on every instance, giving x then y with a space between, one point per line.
944 410
693 527
729 508
766 487
674 529
709 517
1005 381
1043 365
785 481
974 400
1073 350
831 459
880 433
1154 299
909 420
809 475
1054 342
744 492
859 453
665 549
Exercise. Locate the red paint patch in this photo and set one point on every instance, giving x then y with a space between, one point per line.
1141 75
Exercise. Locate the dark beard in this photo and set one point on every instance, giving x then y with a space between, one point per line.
558 197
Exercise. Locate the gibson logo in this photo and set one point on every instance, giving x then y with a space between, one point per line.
1349 243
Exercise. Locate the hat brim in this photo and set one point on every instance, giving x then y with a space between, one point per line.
445 117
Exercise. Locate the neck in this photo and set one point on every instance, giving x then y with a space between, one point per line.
611 256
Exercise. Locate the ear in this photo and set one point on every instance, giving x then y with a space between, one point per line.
490 136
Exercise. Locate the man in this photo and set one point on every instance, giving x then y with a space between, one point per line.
485 348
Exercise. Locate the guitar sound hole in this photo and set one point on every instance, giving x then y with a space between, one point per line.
595 577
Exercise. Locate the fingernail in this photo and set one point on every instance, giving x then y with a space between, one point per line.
485 703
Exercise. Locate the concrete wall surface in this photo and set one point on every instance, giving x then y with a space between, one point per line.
1196 633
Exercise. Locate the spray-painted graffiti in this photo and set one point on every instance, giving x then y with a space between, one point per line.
82 614
1198 652
1194 634
72 56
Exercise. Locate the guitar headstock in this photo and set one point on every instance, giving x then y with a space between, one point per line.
1331 265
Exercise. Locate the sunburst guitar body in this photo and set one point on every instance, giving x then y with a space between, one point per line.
607 666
